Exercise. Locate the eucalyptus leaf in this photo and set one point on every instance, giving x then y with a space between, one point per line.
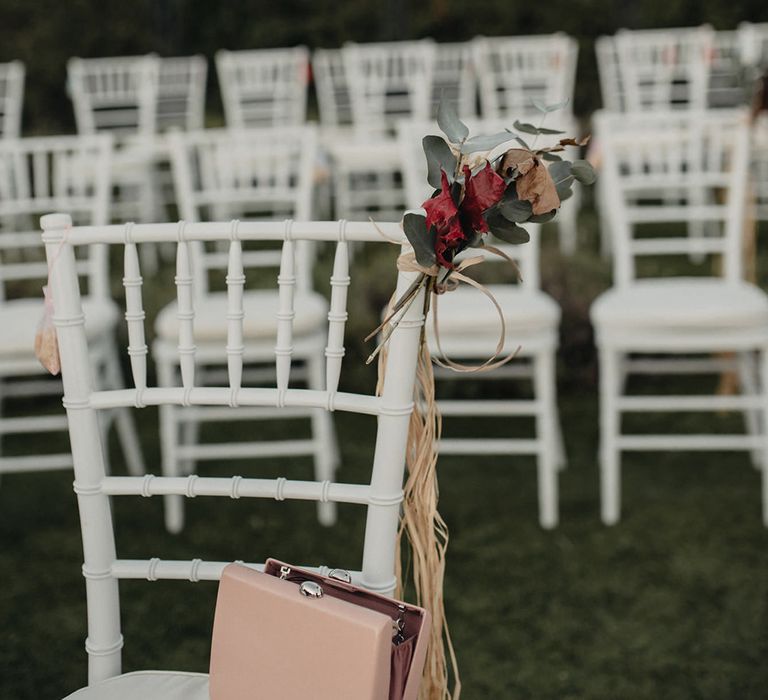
563 187
439 157
560 170
525 127
486 143
542 130
449 122
516 210
504 230
522 143
546 109
543 218
421 240
583 171
551 157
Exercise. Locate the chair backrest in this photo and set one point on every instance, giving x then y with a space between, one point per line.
663 172
381 495
265 87
726 87
388 82
454 79
611 89
11 98
116 94
249 174
38 175
418 190
331 87
514 71
663 69
181 93
753 42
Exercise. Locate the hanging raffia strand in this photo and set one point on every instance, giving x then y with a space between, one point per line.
425 529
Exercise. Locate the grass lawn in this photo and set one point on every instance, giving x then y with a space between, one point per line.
670 603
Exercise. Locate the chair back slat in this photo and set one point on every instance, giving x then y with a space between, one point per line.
286 282
134 316
332 88
381 494
181 93
337 314
11 98
235 283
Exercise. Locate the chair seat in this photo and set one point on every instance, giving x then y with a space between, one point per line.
468 311
20 318
147 685
260 308
682 304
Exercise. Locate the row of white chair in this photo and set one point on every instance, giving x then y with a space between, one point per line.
685 67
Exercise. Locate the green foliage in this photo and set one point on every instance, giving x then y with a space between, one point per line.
440 157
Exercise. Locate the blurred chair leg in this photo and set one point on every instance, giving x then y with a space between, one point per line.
610 463
567 224
546 436
749 387
763 353
326 456
169 434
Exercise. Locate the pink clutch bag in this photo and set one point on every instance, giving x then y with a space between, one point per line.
293 634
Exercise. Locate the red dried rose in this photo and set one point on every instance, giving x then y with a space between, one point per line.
455 225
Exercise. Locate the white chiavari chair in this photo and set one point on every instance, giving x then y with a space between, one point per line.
652 323
470 330
515 71
251 174
753 44
118 95
611 89
381 495
11 98
388 82
37 175
333 97
663 69
454 79
264 87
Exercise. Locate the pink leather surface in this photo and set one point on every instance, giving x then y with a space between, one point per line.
270 641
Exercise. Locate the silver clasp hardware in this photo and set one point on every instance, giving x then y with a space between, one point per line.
398 626
310 589
340 575
285 571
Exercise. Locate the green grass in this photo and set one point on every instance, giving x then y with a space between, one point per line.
670 603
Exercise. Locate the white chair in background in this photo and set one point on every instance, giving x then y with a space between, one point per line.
454 79
662 325
37 175
726 88
264 87
333 100
119 95
387 82
382 495
611 89
469 329
11 98
753 42
515 71
181 93
663 69
248 174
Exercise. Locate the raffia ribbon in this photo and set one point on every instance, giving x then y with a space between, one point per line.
421 522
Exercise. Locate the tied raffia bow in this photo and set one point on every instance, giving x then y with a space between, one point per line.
429 277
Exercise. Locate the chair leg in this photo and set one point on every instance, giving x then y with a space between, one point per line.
610 463
324 436
749 387
546 437
190 431
169 460
763 353
567 224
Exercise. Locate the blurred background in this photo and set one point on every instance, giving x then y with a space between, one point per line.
672 602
